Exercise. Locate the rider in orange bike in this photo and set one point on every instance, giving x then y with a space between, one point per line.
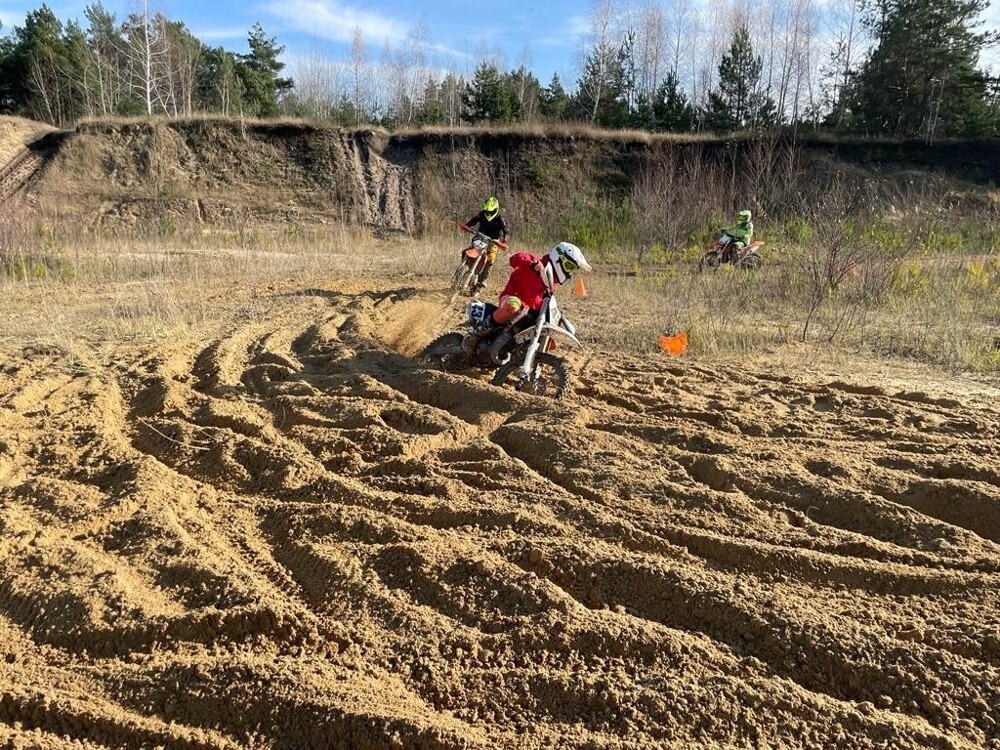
493 225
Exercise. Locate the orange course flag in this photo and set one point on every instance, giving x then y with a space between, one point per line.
675 345
581 290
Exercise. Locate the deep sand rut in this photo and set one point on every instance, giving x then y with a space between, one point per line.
292 535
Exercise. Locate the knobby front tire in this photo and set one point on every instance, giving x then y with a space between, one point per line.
551 376
712 259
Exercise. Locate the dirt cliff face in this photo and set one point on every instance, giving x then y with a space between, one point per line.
217 171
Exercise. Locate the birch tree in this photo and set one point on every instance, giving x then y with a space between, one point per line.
360 72
598 59
145 52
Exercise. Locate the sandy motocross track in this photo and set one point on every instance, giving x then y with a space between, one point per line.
289 534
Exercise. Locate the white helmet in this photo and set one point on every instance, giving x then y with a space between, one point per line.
563 259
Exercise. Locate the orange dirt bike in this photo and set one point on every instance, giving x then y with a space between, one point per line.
724 251
473 259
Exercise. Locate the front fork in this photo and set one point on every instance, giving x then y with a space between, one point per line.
528 363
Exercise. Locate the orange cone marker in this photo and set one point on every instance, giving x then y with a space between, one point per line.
581 290
676 345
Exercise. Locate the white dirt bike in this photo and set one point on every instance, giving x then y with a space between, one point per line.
473 259
520 351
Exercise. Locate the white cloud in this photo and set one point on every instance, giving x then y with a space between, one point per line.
336 20
990 57
578 26
222 33
11 17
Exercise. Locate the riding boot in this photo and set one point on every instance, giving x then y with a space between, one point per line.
473 338
484 275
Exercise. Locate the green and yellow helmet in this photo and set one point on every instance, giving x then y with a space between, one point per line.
744 215
491 207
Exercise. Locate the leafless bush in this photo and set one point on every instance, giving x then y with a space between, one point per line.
768 170
680 189
20 256
832 254
656 195
674 192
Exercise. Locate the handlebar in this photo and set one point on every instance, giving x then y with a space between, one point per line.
476 233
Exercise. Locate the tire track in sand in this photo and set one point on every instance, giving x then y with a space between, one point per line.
291 531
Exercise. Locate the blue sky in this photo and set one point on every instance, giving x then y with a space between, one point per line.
544 33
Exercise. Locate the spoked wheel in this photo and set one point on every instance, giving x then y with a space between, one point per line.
458 277
460 281
550 377
751 262
445 353
712 259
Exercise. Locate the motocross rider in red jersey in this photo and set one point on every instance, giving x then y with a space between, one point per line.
531 281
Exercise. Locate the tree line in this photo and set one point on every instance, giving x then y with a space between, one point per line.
908 68
147 64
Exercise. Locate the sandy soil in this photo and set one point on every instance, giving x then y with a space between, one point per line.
16 133
280 531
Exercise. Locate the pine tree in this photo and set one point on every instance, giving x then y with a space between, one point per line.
527 91
431 109
34 63
921 77
739 101
218 85
671 109
6 103
604 86
554 100
104 39
489 97
258 72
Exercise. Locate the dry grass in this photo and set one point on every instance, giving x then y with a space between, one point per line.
561 130
141 288
149 287
946 313
99 123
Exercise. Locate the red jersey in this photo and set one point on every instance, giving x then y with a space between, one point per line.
525 283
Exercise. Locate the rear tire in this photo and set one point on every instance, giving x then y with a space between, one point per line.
552 376
445 353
